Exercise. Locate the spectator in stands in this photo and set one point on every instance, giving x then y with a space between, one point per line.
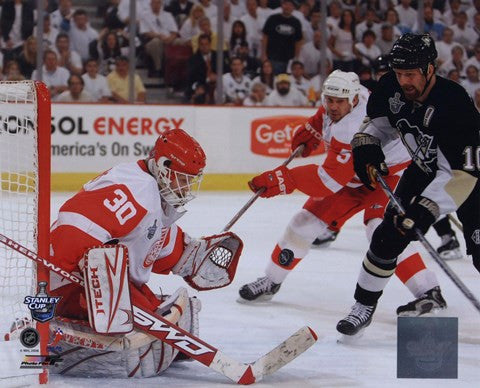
236 85
369 23
143 8
310 55
210 10
227 20
406 14
180 10
472 11
61 17
199 94
257 96
27 59
391 17
475 59
112 20
237 37
251 65
49 33
454 75
444 47
16 25
95 83
266 76
264 11
118 83
67 57
472 82
450 16
54 76
303 14
476 99
202 68
430 24
75 91
106 49
253 24
284 94
298 79
190 26
205 26
12 71
334 14
367 51
158 28
463 33
81 34
282 37
476 25
457 62
238 9
387 39
341 42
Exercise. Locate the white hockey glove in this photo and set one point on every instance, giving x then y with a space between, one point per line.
105 270
210 262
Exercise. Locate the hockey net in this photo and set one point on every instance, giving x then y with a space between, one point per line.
24 217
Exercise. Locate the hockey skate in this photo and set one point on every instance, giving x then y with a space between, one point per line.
449 248
359 318
261 290
324 240
430 302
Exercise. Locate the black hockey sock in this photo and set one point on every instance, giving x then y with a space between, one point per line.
443 227
367 298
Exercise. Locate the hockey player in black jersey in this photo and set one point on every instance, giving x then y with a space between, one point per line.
439 125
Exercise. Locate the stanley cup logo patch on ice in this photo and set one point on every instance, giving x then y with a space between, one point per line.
395 103
42 306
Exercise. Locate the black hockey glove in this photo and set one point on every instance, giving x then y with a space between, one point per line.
419 214
368 157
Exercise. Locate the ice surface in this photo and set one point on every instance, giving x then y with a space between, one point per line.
317 293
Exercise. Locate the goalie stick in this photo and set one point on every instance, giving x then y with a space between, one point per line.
430 249
192 346
255 196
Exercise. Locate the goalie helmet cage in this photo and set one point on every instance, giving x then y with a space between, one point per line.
25 122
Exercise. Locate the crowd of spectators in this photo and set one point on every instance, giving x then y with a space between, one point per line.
272 49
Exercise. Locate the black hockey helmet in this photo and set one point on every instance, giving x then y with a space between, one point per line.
413 51
381 63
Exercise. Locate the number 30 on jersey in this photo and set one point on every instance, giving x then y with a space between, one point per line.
120 206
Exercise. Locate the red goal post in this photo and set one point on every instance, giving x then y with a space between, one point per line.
25 122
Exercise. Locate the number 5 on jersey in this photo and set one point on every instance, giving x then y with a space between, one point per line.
121 206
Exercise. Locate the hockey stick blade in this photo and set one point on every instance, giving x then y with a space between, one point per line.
190 345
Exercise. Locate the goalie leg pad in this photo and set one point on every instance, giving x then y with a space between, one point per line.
136 354
105 271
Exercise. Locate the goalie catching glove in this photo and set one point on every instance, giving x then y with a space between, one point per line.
368 157
274 182
209 262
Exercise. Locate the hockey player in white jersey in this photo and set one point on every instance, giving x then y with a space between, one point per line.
129 212
336 194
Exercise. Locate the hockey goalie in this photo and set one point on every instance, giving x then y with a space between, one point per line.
114 233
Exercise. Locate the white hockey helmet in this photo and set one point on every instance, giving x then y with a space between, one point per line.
341 84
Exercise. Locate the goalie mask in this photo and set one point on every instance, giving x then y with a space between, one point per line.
177 161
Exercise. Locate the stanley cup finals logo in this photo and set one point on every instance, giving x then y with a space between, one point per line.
41 305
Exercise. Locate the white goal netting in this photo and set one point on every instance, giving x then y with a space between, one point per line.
19 191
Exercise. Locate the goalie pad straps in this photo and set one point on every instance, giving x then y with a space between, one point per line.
107 291
210 262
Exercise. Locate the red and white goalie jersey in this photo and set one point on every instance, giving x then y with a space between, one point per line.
123 204
337 169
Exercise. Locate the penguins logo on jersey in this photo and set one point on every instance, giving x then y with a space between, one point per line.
395 103
419 145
